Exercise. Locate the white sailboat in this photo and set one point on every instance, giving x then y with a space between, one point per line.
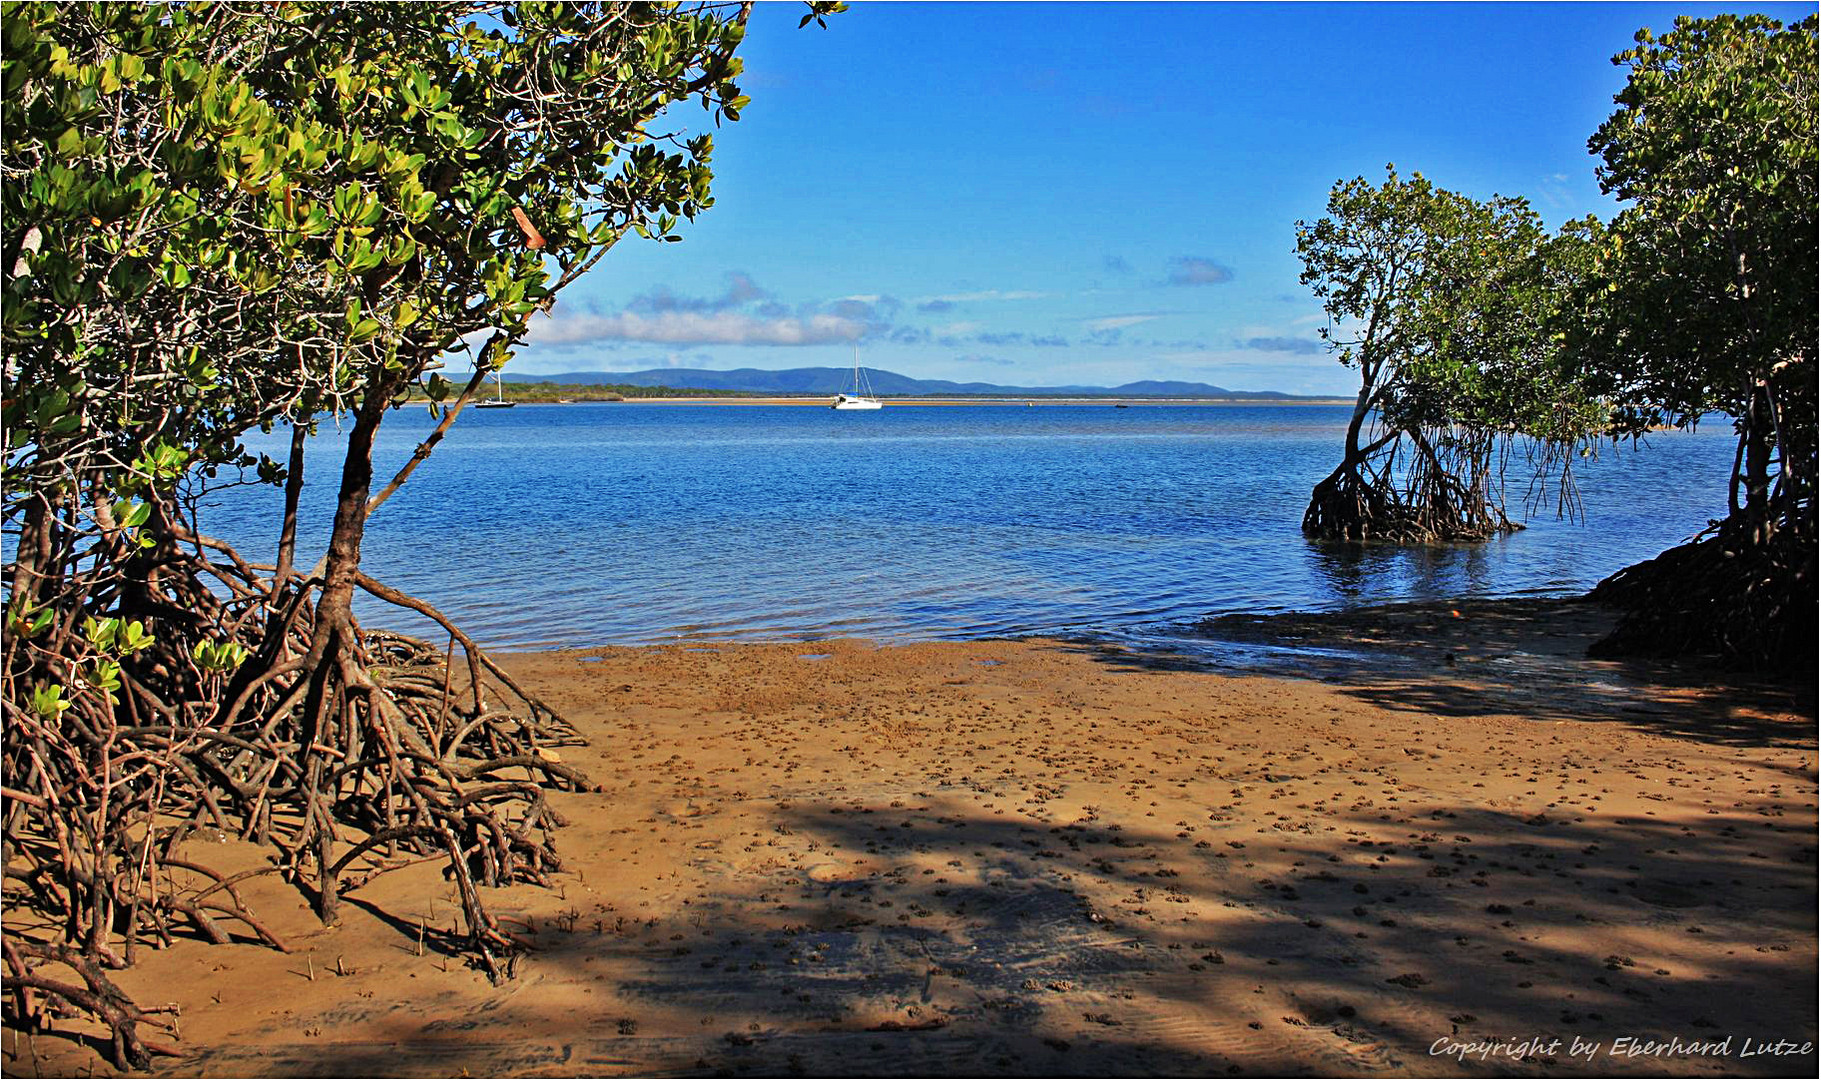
499 396
862 397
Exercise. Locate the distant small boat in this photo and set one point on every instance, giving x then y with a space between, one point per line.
499 396
862 397
1122 406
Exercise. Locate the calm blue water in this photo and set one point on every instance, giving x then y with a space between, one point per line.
584 525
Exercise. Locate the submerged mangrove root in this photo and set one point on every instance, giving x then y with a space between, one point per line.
1408 488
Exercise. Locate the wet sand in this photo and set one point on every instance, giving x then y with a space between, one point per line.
1045 858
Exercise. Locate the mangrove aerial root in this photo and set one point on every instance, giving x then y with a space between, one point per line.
31 968
1411 487
239 711
1745 601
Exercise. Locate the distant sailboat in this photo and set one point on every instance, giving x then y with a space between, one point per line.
862 397
499 396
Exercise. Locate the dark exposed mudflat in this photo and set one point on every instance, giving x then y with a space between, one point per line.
1526 656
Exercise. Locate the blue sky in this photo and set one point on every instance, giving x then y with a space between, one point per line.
1051 194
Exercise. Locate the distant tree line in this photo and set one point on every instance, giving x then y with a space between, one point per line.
1481 338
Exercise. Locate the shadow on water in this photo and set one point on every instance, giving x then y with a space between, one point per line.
1360 573
1521 657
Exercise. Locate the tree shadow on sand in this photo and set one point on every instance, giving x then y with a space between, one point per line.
1121 890
923 936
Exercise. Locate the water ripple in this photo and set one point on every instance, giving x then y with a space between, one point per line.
596 525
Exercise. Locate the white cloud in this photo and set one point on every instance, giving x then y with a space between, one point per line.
988 294
471 343
963 327
1117 322
698 328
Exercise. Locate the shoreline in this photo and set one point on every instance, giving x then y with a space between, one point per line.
1041 856
1018 402
1531 633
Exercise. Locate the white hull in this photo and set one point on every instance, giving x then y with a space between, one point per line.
858 399
499 395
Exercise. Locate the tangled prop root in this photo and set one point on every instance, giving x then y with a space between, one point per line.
346 752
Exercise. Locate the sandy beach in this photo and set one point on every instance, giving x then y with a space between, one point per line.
1047 858
1083 565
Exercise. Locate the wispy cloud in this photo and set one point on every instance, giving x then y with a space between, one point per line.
1009 337
1119 322
1302 346
976 297
1115 264
853 307
742 314
1554 191
699 328
741 289
1194 270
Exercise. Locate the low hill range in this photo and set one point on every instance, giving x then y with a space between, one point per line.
830 381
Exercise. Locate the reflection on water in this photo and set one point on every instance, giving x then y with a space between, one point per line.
1358 572
618 524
